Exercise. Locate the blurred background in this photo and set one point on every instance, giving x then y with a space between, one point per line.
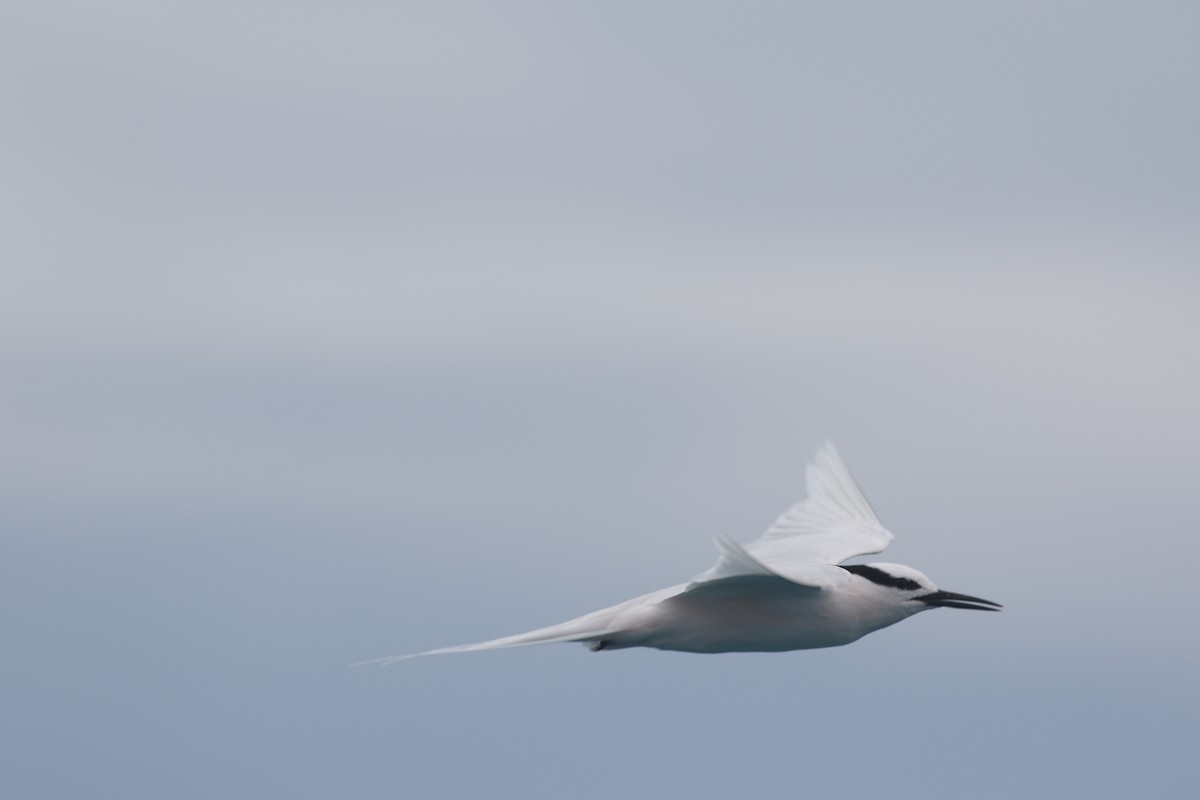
335 331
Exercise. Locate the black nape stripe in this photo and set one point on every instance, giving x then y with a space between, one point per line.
876 575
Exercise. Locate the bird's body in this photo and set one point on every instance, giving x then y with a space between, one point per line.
752 614
788 590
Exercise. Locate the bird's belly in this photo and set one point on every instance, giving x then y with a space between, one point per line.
730 624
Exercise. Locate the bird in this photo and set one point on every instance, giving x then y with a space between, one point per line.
790 589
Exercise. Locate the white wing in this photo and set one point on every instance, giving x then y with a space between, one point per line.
835 522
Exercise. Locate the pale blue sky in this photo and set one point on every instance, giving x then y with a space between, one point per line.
333 332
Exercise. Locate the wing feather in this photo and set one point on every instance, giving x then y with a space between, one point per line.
804 545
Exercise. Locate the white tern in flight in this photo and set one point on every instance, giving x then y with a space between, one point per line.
787 590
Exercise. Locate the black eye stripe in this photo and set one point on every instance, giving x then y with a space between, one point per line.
875 575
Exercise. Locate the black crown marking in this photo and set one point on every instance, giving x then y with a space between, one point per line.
876 575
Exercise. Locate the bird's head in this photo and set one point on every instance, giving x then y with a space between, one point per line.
911 586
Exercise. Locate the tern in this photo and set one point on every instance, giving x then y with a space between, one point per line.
787 590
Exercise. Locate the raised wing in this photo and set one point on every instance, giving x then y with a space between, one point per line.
804 545
835 522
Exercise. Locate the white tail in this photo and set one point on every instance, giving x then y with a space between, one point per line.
584 629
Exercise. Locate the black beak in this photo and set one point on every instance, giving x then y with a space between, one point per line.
955 600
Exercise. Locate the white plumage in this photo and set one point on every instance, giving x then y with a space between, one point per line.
783 591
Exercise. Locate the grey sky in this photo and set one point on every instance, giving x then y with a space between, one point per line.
331 333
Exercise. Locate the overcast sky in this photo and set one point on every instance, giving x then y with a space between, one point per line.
338 331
